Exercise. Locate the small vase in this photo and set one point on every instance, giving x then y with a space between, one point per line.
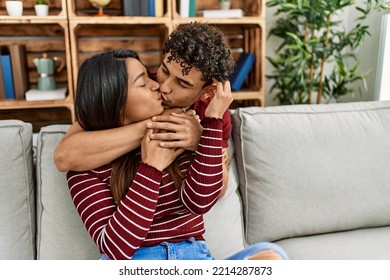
14 8
41 10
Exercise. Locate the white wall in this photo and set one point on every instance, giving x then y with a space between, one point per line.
368 52
383 81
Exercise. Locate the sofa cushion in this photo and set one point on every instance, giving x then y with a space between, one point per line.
17 197
312 169
60 231
224 222
359 244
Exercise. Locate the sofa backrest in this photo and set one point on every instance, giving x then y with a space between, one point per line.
312 169
61 234
17 196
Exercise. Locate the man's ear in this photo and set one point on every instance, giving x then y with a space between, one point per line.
207 92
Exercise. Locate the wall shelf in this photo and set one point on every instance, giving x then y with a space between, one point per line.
73 32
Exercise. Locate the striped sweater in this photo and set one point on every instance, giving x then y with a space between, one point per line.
153 210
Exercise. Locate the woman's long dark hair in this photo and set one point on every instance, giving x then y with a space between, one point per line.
101 96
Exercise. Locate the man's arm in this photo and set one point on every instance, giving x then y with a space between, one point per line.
82 150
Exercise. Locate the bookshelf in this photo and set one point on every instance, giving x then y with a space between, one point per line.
40 35
90 34
245 34
73 32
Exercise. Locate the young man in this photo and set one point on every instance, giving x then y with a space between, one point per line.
195 54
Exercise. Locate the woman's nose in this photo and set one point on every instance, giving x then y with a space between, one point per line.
154 85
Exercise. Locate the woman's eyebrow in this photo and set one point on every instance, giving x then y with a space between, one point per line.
139 76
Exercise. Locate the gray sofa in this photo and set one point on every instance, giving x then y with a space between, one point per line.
314 179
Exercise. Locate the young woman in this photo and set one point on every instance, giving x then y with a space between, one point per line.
147 204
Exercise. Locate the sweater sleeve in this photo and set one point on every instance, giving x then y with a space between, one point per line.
118 230
200 191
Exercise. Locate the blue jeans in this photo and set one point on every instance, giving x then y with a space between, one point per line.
258 247
192 249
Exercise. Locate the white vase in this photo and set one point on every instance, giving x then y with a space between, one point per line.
41 10
14 8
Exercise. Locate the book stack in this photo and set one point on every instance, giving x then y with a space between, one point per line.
223 13
143 8
243 67
37 94
13 72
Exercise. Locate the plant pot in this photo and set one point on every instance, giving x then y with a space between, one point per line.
41 10
14 8
224 5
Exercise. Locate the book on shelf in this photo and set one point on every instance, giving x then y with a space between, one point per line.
130 9
159 8
184 8
2 89
243 67
192 11
187 8
6 68
223 13
144 8
38 95
19 70
136 8
151 8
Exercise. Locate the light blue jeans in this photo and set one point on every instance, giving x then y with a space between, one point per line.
192 249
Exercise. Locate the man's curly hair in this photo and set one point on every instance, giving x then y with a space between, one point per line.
202 46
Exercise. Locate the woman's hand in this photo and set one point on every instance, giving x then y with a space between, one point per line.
221 98
156 156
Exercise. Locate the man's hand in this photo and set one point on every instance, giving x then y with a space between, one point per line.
221 98
177 129
156 156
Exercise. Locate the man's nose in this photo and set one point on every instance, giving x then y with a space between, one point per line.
165 86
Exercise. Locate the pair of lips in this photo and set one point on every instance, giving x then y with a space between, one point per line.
164 99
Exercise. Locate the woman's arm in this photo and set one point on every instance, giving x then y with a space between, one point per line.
204 182
207 173
84 150
118 231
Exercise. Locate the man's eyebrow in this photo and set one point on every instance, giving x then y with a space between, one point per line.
181 80
139 76
185 82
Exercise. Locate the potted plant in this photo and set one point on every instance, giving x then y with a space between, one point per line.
14 7
316 61
224 4
41 8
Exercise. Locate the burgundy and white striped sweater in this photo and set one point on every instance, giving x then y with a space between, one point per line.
153 210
